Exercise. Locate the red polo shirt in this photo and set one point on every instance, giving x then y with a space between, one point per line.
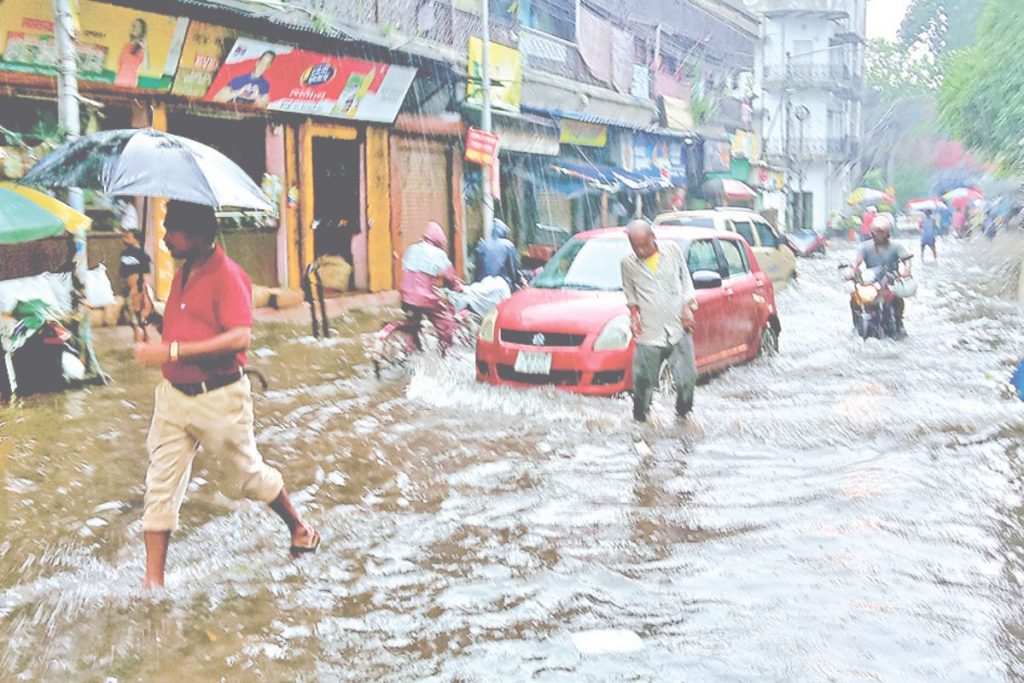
216 298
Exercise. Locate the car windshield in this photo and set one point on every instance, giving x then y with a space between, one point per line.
689 221
587 264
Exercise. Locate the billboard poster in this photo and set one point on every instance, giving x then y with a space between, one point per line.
117 45
506 67
205 49
664 156
283 78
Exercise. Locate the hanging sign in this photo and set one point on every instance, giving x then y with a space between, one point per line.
283 78
118 45
481 147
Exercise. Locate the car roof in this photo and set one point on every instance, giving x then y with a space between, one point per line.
678 232
722 211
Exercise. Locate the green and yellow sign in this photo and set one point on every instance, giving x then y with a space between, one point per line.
506 75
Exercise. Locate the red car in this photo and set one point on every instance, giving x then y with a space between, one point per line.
570 328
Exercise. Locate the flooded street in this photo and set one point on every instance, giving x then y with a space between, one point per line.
845 511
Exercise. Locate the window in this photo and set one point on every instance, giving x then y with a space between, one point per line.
767 235
702 256
735 257
689 221
557 17
744 229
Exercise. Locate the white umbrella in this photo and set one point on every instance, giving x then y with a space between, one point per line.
143 162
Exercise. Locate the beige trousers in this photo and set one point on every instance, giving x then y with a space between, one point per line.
221 421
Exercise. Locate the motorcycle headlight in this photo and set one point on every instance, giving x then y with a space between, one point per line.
615 336
488 326
867 294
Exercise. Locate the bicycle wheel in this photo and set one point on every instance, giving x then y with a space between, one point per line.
395 345
467 331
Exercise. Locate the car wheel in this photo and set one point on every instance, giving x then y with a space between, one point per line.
769 345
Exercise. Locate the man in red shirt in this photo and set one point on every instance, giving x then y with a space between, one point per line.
205 397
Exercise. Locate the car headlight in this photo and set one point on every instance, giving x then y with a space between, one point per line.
488 325
615 336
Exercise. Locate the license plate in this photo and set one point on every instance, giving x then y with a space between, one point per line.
529 363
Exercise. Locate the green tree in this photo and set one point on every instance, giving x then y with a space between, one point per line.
896 72
982 97
941 26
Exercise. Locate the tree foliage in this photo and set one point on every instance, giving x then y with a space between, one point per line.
982 97
896 72
941 26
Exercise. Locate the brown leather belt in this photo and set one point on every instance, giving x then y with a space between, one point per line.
217 382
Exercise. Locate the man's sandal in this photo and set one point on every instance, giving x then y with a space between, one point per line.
297 550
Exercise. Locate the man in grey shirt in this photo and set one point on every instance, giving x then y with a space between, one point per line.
883 256
661 301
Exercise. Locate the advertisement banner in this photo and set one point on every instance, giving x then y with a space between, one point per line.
583 134
658 155
717 156
746 145
205 49
117 45
283 78
506 67
481 147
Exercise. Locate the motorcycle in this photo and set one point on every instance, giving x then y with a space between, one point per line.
873 300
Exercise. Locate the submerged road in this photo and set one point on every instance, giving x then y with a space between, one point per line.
844 511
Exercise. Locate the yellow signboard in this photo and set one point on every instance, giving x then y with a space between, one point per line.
506 75
746 145
117 45
583 134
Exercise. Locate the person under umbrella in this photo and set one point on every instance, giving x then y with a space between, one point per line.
205 397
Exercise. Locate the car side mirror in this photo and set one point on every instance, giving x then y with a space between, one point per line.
706 279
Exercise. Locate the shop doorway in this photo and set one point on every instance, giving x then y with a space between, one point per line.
337 205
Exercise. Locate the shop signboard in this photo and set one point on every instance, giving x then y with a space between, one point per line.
481 147
746 145
717 156
126 47
664 156
583 134
205 49
506 75
284 78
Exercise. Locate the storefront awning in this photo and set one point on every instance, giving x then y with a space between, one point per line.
608 178
521 133
593 105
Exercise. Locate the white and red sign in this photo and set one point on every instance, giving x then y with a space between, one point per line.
283 78
481 148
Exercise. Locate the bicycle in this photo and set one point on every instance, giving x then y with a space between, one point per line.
398 340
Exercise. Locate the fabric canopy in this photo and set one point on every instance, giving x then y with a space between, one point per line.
609 178
27 215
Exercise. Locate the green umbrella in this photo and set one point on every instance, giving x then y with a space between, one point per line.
27 215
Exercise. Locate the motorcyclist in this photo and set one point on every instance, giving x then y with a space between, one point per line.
883 257
424 266
497 257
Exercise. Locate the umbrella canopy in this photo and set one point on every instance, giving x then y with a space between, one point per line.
926 205
963 194
728 188
143 162
27 215
865 195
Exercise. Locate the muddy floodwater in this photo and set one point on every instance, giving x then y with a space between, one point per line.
845 511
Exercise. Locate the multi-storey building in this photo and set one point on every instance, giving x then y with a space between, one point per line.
810 69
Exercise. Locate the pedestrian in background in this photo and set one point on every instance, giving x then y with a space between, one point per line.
662 301
497 257
204 399
928 229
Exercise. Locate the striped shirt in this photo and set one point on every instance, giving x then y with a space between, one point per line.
660 297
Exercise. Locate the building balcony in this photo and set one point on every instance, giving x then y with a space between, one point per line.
835 77
830 9
812 149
